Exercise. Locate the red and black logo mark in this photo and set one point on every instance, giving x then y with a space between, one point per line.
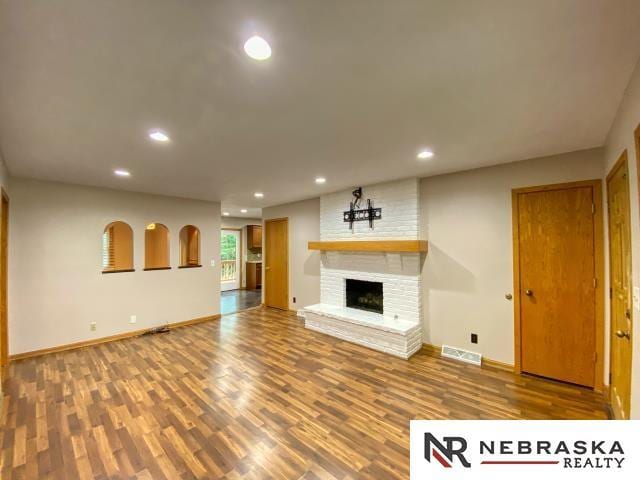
444 453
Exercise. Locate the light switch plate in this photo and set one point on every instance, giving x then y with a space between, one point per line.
636 298
213 263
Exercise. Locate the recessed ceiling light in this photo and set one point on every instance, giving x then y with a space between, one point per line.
122 173
321 180
257 48
244 210
226 214
424 154
158 136
258 194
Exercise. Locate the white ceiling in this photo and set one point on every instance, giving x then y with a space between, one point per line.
353 89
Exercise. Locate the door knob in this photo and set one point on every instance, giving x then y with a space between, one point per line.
267 268
528 292
622 334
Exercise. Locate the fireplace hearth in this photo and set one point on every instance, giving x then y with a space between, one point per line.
364 295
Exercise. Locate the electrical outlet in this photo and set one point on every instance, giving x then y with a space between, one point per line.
133 319
636 298
474 338
92 326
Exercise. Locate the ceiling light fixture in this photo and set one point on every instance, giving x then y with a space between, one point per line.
257 48
258 195
226 214
158 136
321 180
122 173
244 210
424 154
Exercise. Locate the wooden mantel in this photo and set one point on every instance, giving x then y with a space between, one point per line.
407 246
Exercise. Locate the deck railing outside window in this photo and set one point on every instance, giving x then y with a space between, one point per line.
228 268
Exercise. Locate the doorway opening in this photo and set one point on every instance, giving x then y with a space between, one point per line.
240 268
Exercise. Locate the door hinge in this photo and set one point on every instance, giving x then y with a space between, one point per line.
595 283
610 292
593 208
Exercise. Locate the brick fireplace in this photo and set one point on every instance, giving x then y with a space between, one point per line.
397 329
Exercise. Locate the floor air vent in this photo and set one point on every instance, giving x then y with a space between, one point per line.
462 355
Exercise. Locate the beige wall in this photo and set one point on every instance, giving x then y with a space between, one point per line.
469 267
57 287
4 174
237 222
304 265
620 138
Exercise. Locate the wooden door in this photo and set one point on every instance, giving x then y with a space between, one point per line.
4 248
620 283
556 281
276 282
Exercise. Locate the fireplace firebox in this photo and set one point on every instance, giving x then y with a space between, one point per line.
364 295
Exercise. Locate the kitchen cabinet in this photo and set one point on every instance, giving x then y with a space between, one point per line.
254 237
254 275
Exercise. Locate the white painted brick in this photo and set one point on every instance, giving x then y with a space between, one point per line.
399 201
399 273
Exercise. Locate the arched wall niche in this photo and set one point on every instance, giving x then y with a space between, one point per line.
189 247
117 248
156 247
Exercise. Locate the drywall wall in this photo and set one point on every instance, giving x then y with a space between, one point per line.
304 265
241 223
237 222
4 174
469 267
57 288
621 137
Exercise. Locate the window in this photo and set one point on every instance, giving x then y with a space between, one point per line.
156 247
189 247
117 248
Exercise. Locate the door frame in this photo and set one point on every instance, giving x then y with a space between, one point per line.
265 284
624 158
240 276
4 287
598 233
636 135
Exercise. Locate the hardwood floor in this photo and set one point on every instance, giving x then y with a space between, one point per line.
232 301
253 395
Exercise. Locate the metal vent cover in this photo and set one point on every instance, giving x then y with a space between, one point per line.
461 355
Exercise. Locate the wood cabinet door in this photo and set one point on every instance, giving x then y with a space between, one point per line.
254 236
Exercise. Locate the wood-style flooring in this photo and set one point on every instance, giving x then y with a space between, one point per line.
232 301
253 395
